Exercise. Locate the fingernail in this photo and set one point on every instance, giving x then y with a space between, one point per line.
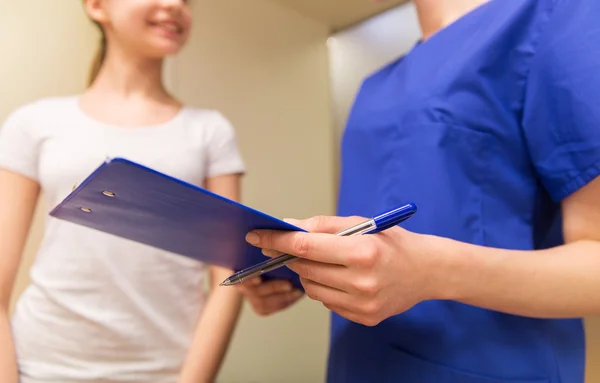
270 253
252 238
295 294
286 287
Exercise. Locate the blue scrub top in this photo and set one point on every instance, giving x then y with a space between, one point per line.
486 126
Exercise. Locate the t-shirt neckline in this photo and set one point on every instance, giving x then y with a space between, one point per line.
127 129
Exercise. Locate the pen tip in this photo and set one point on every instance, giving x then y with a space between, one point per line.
226 282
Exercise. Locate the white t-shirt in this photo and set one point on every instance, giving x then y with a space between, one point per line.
102 308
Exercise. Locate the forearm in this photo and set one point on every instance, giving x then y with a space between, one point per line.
212 336
8 361
561 282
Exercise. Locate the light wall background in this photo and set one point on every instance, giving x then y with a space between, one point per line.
286 85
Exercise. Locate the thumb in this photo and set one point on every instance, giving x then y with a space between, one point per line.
326 224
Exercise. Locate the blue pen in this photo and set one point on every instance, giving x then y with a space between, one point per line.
374 225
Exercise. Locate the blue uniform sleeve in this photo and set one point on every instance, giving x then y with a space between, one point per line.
561 116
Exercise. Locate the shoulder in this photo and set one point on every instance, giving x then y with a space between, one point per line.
207 122
572 25
566 52
216 134
382 73
206 117
42 110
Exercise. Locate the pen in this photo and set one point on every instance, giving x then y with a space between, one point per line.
374 225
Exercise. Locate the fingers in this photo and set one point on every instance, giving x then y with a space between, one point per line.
273 287
325 294
274 303
271 253
353 316
325 248
318 224
256 286
326 224
335 276
249 285
269 297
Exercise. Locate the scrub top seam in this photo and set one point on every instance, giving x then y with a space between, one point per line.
578 181
541 33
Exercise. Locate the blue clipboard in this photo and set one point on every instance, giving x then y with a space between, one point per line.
131 201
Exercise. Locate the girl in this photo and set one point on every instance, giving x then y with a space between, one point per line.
100 308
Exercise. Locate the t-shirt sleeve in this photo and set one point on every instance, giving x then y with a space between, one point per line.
561 119
224 156
19 148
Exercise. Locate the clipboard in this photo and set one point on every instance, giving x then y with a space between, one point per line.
131 201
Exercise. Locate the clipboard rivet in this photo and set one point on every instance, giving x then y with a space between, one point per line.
86 209
108 193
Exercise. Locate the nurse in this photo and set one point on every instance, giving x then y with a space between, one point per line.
491 125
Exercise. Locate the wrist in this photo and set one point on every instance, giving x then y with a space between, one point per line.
453 267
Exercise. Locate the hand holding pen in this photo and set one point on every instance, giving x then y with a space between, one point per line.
365 278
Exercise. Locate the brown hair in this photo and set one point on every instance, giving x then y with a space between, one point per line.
98 58
100 54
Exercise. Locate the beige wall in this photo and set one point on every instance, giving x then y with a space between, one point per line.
358 51
266 68
269 74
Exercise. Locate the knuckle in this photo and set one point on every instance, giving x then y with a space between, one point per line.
368 286
356 285
369 254
370 322
371 309
320 222
269 241
299 268
315 223
312 294
304 270
301 244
